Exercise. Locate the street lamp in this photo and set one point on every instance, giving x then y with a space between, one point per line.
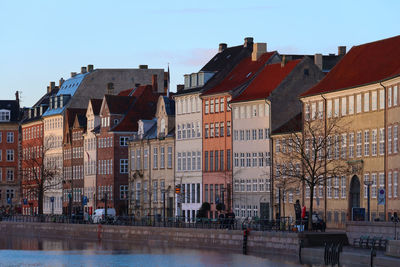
222 195
279 186
165 191
368 184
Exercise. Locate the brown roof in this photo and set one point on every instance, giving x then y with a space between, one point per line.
96 105
118 104
362 65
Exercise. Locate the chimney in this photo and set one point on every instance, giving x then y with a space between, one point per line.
83 70
258 50
283 62
73 74
341 50
90 68
143 67
248 42
110 88
60 83
318 60
154 82
180 87
17 96
222 47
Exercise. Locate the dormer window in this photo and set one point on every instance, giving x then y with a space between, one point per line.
4 115
162 126
116 121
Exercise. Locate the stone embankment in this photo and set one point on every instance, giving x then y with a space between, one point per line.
258 242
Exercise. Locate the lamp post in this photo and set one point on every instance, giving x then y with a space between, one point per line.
279 186
222 196
368 184
165 191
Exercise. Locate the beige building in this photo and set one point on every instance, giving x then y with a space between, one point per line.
361 92
152 179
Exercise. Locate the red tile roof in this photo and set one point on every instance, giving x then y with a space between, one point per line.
118 104
242 73
266 81
144 108
363 64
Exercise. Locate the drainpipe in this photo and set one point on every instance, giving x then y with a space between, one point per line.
325 125
271 195
385 152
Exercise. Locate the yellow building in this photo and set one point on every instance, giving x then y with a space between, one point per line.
362 93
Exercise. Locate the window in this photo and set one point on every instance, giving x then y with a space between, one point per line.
374 103
198 160
228 128
381 99
10 175
395 96
138 162
307 112
146 159
216 129
336 107
366 179
211 129
395 139
381 141
183 131
242 161
10 137
123 141
373 186
155 157
179 161
236 159
123 192
313 111
358 108
247 135
10 155
179 132
351 145
155 191
228 159
351 105
222 105
4 115
344 106
193 161
198 129
344 148
216 161
366 102
336 187
248 160
374 142
162 157
216 105
366 143
169 163
206 107
222 130
123 167
389 97
184 161
206 161
221 160
395 182
359 137
389 140
206 131
389 184
206 192
188 130
343 186
329 187
189 161
212 106
329 108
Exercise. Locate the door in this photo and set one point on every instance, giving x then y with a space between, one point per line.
264 211
354 199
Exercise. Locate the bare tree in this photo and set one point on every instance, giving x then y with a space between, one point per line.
40 172
311 156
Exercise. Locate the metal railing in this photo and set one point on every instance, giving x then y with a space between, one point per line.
285 224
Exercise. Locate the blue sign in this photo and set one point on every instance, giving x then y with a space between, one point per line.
84 200
9 200
51 199
217 200
25 201
381 196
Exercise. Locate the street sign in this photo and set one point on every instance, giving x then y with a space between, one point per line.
84 200
51 199
381 196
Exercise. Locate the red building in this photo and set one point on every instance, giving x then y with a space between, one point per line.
75 126
119 115
10 116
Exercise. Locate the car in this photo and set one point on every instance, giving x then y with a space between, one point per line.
99 216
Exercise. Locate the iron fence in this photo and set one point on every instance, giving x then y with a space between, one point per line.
285 224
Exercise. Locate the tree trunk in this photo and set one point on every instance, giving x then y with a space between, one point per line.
311 208
40 199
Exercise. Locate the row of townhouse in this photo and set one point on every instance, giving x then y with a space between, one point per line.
77 127
360 95
219 138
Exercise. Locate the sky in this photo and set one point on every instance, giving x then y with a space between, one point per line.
44 40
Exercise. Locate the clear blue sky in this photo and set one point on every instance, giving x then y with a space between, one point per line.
45 40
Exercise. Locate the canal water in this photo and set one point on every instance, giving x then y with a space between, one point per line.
33 252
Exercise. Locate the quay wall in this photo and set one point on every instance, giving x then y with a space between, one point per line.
257 243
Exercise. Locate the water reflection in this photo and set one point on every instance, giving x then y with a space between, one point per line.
17 251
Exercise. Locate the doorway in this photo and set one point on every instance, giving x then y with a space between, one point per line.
354 199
